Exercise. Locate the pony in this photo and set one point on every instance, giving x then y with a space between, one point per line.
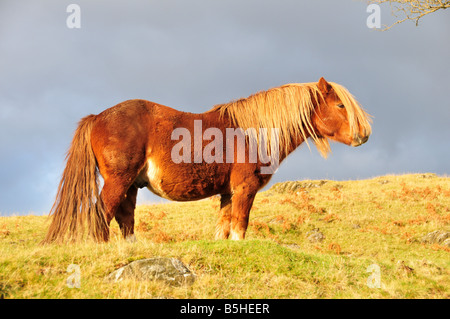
132 146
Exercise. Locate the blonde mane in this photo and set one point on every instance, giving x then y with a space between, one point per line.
290 108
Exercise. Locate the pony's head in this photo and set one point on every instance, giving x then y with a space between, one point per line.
338 116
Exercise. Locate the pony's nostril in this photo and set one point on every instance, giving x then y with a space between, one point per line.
362 140
365 139
359 140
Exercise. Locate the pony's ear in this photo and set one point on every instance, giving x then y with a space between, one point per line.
323 85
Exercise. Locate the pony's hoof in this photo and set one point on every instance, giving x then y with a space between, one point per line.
131 238
237 236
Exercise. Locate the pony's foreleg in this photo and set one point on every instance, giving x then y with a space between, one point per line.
242 202
125 214
223 224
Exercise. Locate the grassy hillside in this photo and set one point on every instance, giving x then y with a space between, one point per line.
379 222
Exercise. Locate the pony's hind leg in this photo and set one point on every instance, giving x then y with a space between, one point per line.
125 214
113 194
223 224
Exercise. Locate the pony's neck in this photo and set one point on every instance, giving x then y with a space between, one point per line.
298 139
276 108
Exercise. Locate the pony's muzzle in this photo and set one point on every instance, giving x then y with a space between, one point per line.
359 140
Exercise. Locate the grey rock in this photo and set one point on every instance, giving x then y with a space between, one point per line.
446 242
315 236
170 270
442 237
292 186
436 237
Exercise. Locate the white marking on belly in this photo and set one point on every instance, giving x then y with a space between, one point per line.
154 178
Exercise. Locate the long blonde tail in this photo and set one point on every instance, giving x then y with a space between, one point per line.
78 209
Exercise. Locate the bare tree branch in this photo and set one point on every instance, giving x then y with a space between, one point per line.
412 10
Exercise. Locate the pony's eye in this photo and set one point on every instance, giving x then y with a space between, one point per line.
341 106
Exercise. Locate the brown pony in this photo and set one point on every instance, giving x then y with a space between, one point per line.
135 144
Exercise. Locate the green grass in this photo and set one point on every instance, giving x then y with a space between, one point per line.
378 221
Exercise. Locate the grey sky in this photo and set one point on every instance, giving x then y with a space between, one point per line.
191 55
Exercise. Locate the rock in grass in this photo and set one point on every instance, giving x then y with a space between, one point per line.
446 242
169 270
315 236
291 186
437 237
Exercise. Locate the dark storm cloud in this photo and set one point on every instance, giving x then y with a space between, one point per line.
193 54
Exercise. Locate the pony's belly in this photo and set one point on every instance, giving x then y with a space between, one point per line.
184 196
174 186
